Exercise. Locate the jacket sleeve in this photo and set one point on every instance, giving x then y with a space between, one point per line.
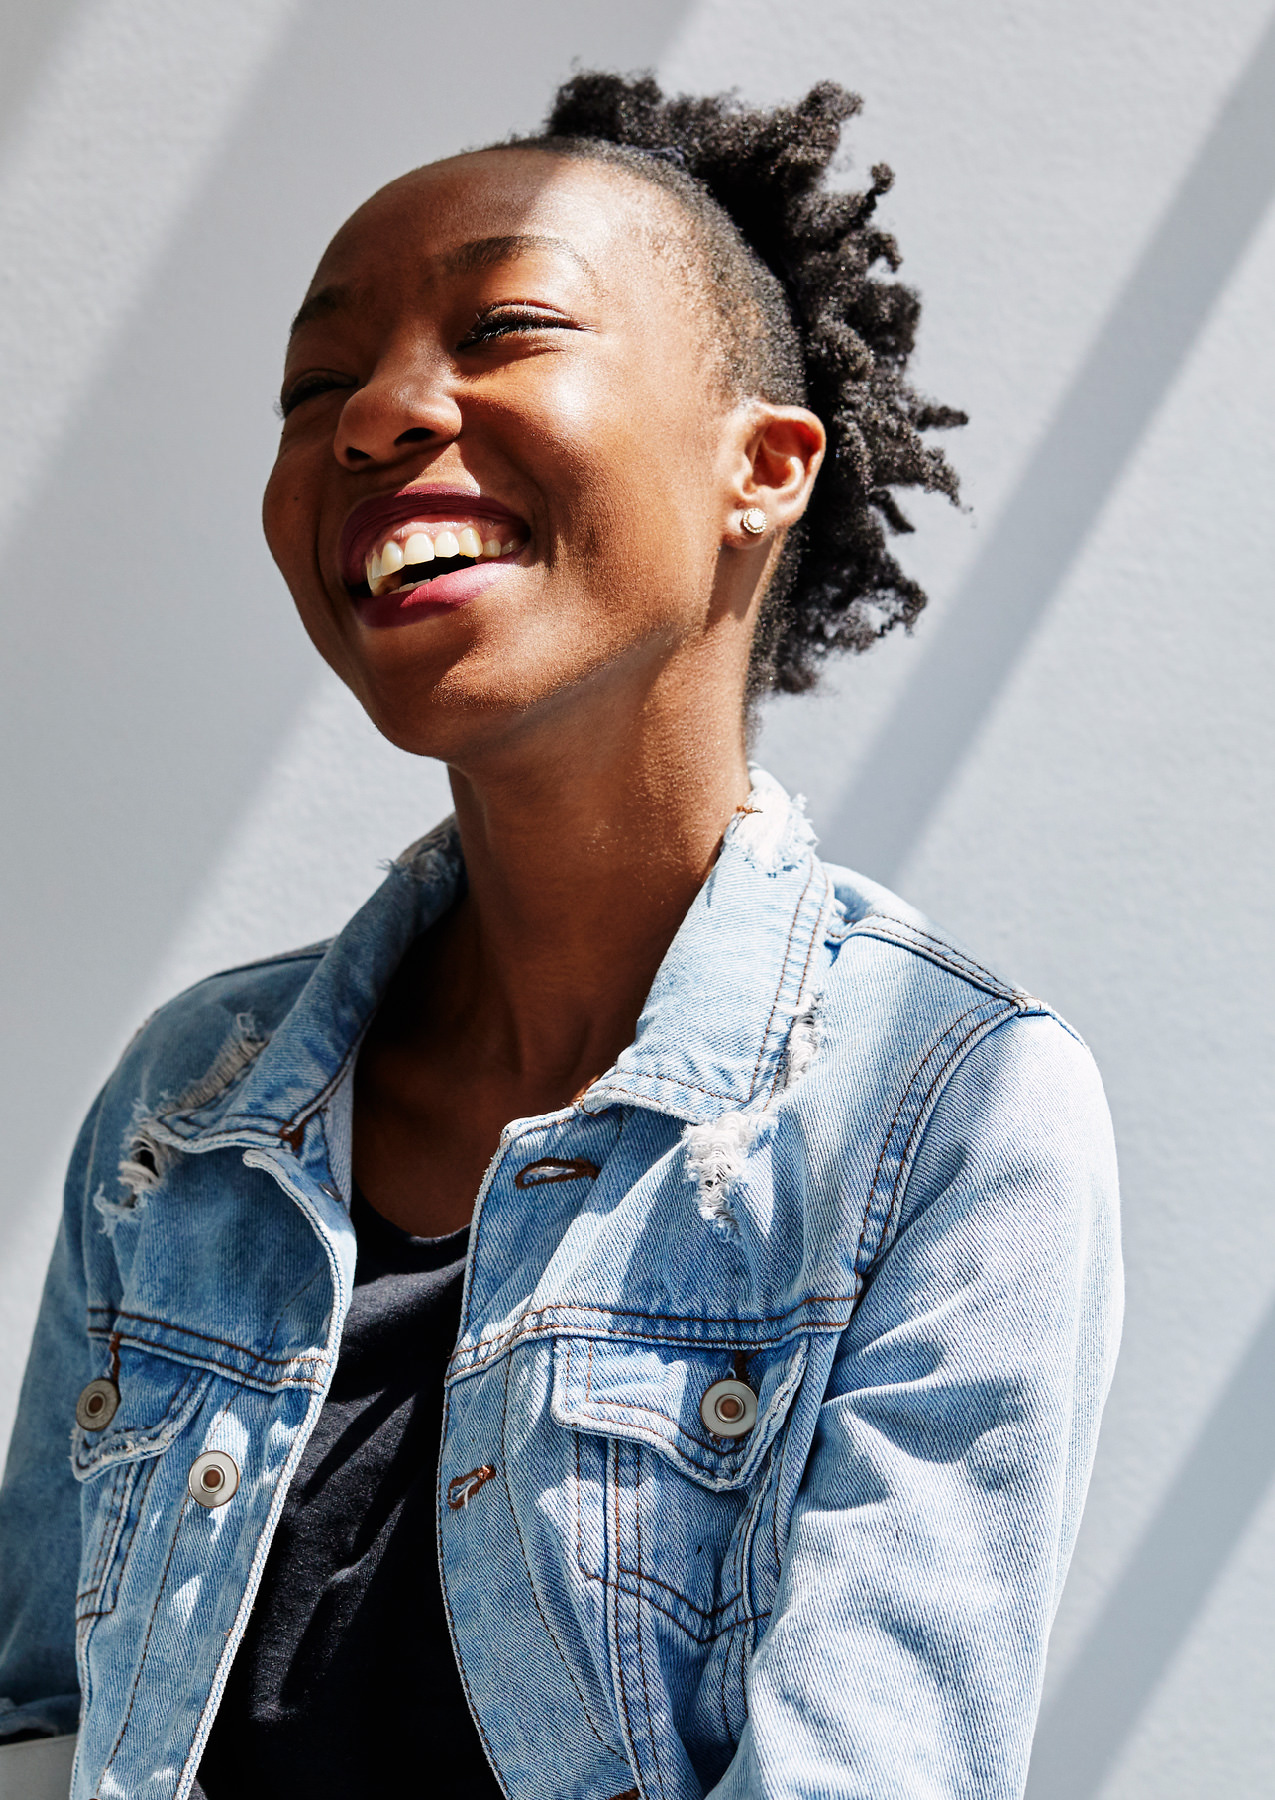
39 1498
936 1516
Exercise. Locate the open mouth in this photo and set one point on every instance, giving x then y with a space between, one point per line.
420 534
416 553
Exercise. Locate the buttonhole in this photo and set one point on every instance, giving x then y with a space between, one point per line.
556 1168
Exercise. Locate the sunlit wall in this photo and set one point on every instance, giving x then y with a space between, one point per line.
1069 764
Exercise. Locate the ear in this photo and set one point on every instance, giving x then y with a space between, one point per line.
778 455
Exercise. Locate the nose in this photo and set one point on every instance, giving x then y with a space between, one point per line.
402 407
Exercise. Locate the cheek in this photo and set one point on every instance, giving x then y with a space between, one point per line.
633 483
282 510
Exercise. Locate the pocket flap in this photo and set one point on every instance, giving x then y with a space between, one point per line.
652 1392
157 1400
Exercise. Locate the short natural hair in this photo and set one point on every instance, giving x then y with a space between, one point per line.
803 320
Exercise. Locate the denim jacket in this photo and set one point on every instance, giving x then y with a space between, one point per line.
780 1367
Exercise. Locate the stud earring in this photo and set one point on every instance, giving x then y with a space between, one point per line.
753 521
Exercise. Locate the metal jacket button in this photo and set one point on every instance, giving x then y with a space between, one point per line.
729 1409
213 1478
97 1405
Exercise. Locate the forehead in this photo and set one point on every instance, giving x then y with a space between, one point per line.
478 209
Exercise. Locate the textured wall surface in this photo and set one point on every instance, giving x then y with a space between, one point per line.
1069 763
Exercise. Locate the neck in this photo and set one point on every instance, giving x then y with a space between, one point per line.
583 854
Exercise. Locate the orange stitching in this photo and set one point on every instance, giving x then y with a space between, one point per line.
207 1337
549 1632
517 1331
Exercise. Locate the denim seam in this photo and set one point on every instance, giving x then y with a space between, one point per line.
932 1049
447 1608
783 1393
155 1600
121 1546
207 1337
906 1098
150 1626
112 1509
922 1120
259 1384
744 1617
783 970
112 1537
623 1406
469 1360
924 1112
227 1343
615 1608
531 1582
637 1610
805 970
911 937
109 1453
947 949
592 1576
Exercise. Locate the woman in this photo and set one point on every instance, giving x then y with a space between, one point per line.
790 1289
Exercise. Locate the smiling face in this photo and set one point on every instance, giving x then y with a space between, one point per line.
509 482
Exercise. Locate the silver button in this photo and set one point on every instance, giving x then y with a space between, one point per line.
213 1478
97 1405
729 1409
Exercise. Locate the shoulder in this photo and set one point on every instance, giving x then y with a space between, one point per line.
888 952
874 914
960 1054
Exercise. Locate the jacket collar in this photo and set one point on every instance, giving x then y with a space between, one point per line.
745 962
711 1037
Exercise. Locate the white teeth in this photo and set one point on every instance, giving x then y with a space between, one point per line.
383 567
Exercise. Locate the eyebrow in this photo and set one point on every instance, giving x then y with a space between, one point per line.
484 253
465 259
318 306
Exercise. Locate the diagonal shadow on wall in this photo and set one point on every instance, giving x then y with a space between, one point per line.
1149 1613
139 713
1138 352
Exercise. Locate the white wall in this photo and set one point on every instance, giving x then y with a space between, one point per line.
1069 763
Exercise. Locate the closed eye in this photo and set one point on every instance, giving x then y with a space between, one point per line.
507 321
307 386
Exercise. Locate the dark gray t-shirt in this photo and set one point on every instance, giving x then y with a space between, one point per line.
345 1682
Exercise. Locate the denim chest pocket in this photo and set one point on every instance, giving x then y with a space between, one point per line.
665 1509
158 1399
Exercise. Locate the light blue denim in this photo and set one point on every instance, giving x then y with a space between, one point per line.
840 1161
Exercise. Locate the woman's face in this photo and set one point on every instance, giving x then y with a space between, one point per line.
507 478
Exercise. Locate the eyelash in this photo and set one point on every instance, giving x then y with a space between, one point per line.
498 323
305 388
505 320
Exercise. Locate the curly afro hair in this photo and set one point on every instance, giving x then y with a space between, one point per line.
802 319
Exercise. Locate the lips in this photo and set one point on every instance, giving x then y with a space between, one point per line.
376 531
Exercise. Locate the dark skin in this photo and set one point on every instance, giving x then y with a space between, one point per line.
590 706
